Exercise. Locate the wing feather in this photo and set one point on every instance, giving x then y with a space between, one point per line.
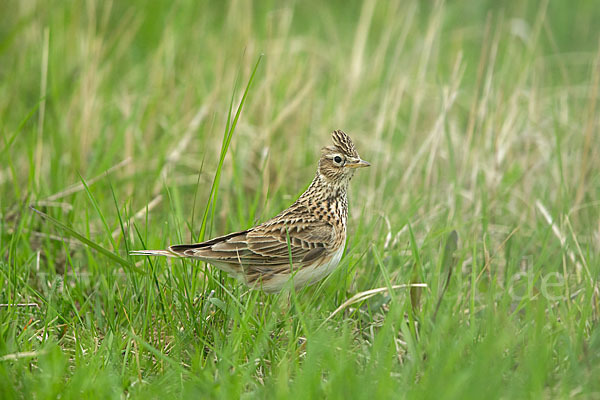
265 245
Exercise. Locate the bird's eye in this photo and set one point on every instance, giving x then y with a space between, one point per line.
337 159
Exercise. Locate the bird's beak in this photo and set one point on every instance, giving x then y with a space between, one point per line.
358 164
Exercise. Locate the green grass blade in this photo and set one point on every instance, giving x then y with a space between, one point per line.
224 147
71 232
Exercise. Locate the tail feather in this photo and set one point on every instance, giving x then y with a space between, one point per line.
165 253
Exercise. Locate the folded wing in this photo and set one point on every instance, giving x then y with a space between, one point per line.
267 245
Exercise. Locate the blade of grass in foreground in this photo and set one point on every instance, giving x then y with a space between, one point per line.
98 211
89 243
212 199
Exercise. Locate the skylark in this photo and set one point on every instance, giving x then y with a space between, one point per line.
304 242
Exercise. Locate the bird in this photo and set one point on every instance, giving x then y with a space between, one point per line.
304 242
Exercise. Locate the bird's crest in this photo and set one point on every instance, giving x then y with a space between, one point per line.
344 143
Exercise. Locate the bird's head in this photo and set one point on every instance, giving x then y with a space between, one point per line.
338 162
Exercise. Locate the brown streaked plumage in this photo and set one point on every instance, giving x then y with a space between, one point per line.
312 231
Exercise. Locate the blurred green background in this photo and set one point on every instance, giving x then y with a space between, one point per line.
480 117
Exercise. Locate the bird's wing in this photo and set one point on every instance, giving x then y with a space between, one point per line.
268 245
302 241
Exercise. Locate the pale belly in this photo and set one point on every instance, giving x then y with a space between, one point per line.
306 275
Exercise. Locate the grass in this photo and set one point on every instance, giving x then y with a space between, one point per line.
130 127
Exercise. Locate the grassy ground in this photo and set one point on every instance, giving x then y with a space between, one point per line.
478 117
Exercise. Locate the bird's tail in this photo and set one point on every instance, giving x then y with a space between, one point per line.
165 253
